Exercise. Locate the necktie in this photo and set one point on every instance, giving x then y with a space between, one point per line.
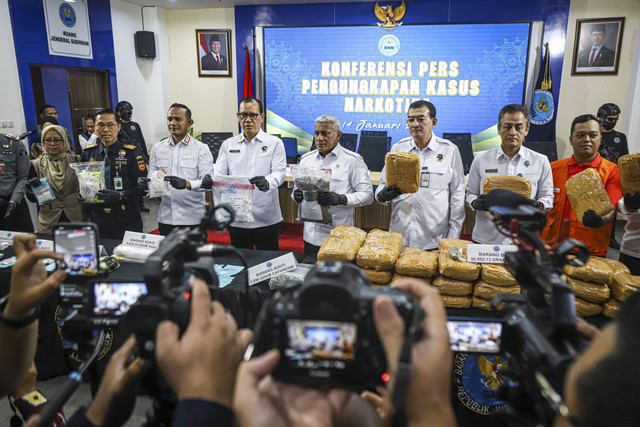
218 58
593 54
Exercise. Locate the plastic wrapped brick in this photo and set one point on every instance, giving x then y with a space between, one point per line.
377 277
487 291
459 270
397 277
290 277
591 292
403 171
595 270
624 285
586 192
416 262
452 287
629 173
616 266
611 307
350 233
498 275
380 251
452 301
516 184
337 249
586 308
446 243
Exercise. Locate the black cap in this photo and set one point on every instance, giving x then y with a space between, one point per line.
608 109
597 27
214 38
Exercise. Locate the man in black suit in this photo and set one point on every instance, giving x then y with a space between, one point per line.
213 60
598 55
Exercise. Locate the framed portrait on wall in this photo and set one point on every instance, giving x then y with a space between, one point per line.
214 53
597 48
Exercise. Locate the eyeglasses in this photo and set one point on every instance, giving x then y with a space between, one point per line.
54 141
419 119
110 125
245 116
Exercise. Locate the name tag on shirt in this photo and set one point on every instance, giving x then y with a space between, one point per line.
425 177
234 151
491 171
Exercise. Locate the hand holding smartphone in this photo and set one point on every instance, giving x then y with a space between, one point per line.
78 244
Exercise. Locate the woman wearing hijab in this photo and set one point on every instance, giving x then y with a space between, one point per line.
54 165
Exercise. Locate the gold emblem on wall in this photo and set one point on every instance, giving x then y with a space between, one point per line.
388 16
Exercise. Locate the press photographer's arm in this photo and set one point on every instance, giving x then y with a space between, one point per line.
19 326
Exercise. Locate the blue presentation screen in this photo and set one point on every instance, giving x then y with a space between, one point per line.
367 77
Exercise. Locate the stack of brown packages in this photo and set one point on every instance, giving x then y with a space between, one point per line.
610 308
496 279
623 285
456 280
397 277
629 173
403 171
342 244
589 284
417 263
586 192
379 252
517 184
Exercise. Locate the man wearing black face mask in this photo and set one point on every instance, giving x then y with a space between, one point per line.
132 131
612 146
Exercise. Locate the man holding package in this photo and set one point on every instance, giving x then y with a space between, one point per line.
562 222
350 182
260 158
186 162
531 171
436 210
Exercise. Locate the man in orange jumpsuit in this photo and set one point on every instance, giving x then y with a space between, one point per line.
562 223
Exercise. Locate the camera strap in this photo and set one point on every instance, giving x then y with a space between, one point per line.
405 364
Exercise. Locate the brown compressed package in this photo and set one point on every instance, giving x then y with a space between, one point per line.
586 309
378 277
629 173
397 277
446 243
456 301
616 266
403 171
586 192
380 251
338 249
466 271
595 270
517 184
591 292
487 291
416 262
452 287
611 307
349 232
498 275
624 285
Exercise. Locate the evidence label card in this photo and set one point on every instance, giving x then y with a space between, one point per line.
271 268
490 254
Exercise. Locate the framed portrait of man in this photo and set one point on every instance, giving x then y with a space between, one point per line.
214 53
597 48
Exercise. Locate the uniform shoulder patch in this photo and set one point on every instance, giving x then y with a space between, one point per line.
91 146
130 146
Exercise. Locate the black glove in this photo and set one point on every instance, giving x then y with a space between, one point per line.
11 208
632 202
480 203
260 182
34 182
143 184
591 219
298 195
389 193
329 198
80 198
207 182
109 196
176 182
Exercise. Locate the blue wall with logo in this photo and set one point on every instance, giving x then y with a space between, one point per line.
554 13
30 37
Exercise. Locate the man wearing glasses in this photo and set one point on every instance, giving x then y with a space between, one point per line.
124 164
436 211
14 170
261 159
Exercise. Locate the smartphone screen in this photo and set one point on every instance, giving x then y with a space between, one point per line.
317 344
79 247
115 299
474 336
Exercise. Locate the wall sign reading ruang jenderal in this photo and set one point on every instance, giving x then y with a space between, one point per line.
68 31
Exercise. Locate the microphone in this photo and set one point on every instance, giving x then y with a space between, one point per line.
26 134
507 199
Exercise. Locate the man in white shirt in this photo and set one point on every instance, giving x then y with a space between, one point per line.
260 158
89 136
350 182
509 159
186 161
436 211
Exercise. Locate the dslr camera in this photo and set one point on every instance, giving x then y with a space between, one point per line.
325 331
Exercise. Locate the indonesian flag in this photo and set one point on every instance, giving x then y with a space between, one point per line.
204 47
247 87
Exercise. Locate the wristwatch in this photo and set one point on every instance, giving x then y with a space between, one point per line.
343 200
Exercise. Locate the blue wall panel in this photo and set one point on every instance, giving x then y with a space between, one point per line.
30 37
54 84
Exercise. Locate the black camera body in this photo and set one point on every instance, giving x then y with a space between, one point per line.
325 331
